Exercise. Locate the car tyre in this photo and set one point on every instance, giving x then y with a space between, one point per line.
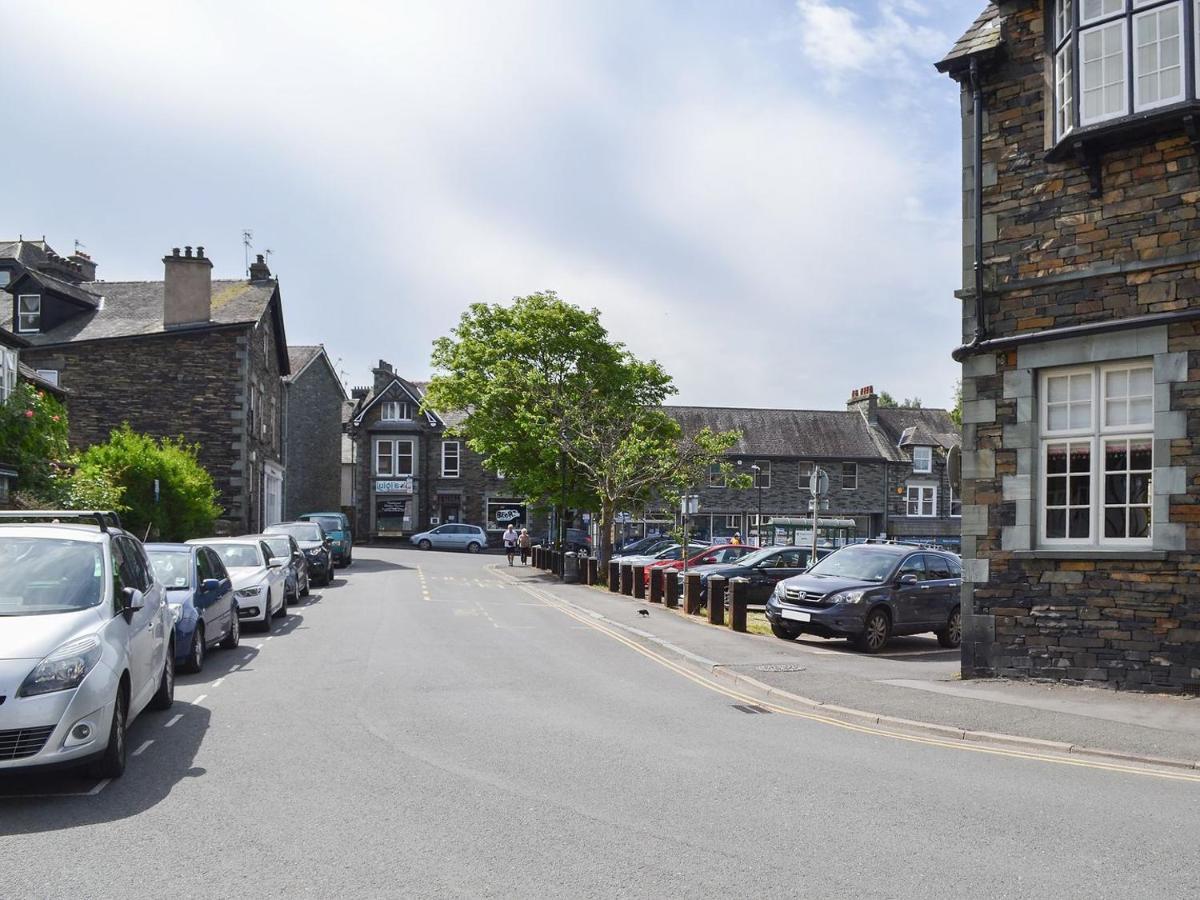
111 763
786 632
165 695
473 547
877 630
195 660
283 607
425 545
307 589
234 637
951 636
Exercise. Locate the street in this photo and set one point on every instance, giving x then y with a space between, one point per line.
428 727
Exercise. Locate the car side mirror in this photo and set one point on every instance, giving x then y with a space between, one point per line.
132 599
275 562
210 585
907 579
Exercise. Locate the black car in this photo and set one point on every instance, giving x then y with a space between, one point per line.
318 549
764 568
646 546
869 592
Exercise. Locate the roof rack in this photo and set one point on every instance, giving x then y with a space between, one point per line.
898 543
105 519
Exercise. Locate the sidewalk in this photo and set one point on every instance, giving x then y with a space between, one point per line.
914 680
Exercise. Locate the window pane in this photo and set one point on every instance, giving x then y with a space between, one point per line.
1081 415
1056 523
1056 458
1115 488
1080 490
1081 458
1079 525
1081 387
1139 522
1056 389
1114 522
1139 488
1057 418
1056 491
1116 412
1140 456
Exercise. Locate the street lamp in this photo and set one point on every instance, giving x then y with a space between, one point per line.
758 483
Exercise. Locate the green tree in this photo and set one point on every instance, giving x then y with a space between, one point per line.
33 437
187 503
887 401
956 412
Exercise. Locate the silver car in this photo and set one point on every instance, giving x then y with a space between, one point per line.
471 538
259 578
86 641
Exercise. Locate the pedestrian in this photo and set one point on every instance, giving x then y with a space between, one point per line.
524 541
510 542
736 540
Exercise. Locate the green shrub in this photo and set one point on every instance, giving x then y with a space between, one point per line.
33 436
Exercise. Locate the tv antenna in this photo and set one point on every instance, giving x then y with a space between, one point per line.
247 243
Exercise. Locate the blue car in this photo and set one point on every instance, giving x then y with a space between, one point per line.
200 595
337 529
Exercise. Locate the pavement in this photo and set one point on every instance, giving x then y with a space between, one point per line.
916 681
433 725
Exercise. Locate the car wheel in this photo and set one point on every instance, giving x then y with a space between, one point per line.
165 695
304 591
951 635
195 660
425 545
877 629
786 632
111 763
283 607
473 547
235 633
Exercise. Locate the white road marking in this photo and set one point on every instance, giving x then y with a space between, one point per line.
268 637
248 656
199 700
142 749
217 683
175 718
99 787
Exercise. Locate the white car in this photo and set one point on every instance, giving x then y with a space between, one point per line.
86 641
259 579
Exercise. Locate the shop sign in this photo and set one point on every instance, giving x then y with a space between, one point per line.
403 486
502 513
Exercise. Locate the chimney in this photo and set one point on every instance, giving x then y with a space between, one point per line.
187 288
359 393
87 266
259 270
383 375
866 402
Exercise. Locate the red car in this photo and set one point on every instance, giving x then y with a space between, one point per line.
721 553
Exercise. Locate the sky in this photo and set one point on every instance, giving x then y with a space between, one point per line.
763 195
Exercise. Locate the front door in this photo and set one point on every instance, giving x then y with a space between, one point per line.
451 511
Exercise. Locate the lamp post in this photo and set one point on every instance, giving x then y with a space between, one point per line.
758 484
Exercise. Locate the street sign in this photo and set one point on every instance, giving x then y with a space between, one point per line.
689 505
623 518
818 482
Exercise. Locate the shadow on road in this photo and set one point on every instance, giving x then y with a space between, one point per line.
363 564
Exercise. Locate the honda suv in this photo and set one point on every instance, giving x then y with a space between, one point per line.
869 592
86 644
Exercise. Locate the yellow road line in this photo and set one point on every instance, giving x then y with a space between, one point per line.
734 694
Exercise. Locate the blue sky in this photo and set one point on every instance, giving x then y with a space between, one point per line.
764 196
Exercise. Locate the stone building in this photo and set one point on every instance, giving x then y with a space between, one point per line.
183 357
886 467
1081 296
313 399
411 475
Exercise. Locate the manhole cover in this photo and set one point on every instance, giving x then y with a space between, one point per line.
781 667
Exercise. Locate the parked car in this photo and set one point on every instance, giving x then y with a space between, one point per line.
318 549
284 546
869 592
643 546
454 536
259 581
669 553
200 597
763 568
87 641
718 555
338 530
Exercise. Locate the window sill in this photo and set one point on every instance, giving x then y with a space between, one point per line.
1120 553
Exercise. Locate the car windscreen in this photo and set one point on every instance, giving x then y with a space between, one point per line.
280 546
39 576
751 559
172 568
859 563
239 556
329 523
301 531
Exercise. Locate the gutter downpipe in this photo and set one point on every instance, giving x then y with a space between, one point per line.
977 209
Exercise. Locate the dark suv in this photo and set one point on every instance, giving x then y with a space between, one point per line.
869 592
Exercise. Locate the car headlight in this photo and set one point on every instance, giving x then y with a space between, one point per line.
849 597
249 593
176 612
779 591
63 669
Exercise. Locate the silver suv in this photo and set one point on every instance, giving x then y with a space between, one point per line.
86 641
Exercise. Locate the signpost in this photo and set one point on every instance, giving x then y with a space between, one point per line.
689 505
818 484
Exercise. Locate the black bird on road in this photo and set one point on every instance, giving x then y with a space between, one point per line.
643 612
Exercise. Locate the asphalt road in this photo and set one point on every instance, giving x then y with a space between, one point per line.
426 728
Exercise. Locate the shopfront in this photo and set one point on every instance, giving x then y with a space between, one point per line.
503 512
395 507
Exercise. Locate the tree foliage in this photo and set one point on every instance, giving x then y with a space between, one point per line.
887 401
956 412
131 462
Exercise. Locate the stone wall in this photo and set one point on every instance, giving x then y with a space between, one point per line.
314 441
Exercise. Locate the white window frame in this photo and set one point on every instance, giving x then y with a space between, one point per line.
1101 16
393 457
922 460
954 499
447 471
1064 89
9 367
395 411
1126 73
1140 105
1062 21
1095 438
925 494
23 313
854 486
48 375
804 473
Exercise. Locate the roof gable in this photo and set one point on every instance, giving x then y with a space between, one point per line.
985 36
407 389
301 358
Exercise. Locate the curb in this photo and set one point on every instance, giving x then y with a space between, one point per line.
861 717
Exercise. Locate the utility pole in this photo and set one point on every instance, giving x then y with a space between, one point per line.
758 531
818 486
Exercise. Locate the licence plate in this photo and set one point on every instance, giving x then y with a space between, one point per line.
795 615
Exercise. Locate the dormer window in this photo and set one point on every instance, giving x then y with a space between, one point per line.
29 313
1114 59
394 411
922 459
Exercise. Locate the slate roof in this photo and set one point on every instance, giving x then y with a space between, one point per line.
29 374
133 308
301 356
414 388
57 285
27 253
984 36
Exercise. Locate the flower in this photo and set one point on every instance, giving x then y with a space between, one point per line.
54 418
29 413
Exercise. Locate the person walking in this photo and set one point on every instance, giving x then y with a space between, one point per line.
524 542
736 540
510 542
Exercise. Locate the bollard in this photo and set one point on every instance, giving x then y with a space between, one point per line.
656 584
627 579
614 576
739 600
716 599
555 561
671 592
691 593
537 557
593 570
639 582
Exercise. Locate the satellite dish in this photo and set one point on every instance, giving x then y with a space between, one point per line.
954 468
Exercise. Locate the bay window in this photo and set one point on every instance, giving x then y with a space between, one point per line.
1096 455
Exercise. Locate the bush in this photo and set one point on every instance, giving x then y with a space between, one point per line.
131 462
33 436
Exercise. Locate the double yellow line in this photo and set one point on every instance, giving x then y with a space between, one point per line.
724 690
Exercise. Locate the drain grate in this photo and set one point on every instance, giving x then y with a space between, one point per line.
751 710
781 667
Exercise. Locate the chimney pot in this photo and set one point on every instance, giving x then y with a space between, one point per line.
200 253
174 251
187 251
